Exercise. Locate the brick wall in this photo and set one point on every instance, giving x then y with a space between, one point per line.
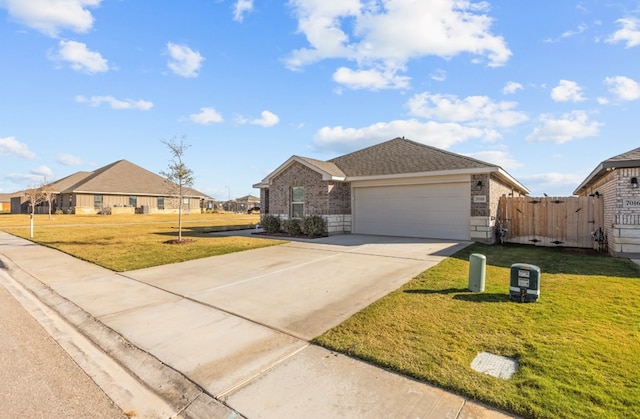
327 198
621 224
484 214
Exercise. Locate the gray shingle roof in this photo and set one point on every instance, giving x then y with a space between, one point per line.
399 156
629 155
630 158
120 178
327 166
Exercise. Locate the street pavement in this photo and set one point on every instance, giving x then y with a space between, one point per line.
228 336
37 377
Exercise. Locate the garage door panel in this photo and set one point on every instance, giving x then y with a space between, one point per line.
437 211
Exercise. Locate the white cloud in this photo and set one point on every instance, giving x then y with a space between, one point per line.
206 116
623 87
80 58
511 87
42 171
475 110
569 127
438 75
267 119
118 104
52 16
552 181
386 35
370 79
500 158
11 146
184 61
442 135
629 33
240 8
69 160
567 91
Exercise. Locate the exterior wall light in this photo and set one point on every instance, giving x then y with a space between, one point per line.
634 182
479 184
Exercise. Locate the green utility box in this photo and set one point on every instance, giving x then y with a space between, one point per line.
525 283
477 269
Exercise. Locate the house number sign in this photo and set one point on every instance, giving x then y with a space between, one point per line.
631 203
479 199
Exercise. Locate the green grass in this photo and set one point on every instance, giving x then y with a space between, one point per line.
123 242
577 347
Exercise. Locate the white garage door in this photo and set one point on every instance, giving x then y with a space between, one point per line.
436 211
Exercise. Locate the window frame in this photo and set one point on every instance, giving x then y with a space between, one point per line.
297 202
98 202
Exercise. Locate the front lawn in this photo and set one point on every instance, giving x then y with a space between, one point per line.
577 347
127 242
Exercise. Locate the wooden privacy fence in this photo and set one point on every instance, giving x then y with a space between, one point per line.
553 221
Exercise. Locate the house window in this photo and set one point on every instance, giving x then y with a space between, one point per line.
297 202
97 202
185 203
161 202
133 201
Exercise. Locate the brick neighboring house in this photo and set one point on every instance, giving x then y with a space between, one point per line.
121 187
398 188
616 181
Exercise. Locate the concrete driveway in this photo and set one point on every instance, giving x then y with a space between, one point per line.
302 288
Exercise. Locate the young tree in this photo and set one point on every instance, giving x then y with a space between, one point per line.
47 192
178 176
33 196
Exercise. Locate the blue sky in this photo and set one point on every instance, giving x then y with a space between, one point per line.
545 89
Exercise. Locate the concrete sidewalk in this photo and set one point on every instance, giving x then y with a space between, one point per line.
228 336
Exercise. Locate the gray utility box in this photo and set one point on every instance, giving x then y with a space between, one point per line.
525 283
477 269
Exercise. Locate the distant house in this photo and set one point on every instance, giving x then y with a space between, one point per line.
397 188
616 181
120 187
5 202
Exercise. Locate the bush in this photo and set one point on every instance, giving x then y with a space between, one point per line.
292 226
314 226
270 224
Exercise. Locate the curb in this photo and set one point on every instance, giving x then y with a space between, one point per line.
183 396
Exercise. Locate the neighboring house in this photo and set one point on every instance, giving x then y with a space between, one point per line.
120 187
247 202
615 181
241 204
5 202
398 188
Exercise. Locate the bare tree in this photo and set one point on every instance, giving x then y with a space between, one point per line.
47 192
33 196
178 176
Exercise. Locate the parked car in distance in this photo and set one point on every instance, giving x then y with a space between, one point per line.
253 210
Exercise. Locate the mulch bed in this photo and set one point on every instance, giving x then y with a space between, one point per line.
285 235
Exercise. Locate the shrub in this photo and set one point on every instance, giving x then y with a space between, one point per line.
270 223
314 226
292 226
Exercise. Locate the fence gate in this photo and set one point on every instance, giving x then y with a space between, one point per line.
553 221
